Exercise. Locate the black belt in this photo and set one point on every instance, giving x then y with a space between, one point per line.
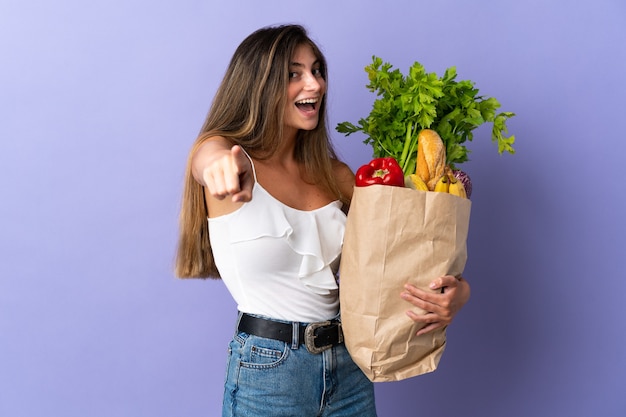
317 337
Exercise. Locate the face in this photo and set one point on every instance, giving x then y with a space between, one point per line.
305 91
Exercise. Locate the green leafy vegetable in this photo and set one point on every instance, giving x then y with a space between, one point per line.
421 100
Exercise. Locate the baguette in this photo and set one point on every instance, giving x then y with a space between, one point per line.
431 157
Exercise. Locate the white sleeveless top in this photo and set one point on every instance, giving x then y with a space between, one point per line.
278 261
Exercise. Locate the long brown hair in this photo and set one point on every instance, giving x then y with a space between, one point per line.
248 109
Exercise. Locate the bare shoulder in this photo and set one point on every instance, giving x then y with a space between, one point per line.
342 170
345 178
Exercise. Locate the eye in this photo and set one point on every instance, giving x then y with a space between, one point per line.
317 72
293 74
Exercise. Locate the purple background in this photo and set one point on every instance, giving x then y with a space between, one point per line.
101 100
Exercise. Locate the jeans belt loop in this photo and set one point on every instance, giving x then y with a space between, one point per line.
295 335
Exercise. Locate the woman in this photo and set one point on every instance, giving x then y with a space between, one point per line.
264 173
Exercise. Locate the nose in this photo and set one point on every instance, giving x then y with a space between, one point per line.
312 83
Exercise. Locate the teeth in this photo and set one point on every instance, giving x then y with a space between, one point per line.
307 101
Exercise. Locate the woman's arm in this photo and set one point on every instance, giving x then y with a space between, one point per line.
223 169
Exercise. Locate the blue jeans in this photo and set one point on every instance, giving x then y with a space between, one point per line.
270 378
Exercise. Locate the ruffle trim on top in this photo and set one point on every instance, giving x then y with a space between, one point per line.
316 235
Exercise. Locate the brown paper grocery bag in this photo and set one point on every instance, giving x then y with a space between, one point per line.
393 236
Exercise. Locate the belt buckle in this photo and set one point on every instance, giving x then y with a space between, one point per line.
309 336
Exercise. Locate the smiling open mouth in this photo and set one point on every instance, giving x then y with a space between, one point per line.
307 104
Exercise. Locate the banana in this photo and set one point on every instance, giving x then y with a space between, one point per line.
415 182
447 183
457 188
443 184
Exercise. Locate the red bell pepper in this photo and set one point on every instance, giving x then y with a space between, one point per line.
385 171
